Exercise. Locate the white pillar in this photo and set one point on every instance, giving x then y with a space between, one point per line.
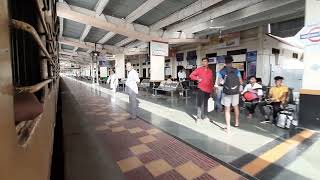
310 94
92 72
311 76
97 72
157 68
120 65
158 51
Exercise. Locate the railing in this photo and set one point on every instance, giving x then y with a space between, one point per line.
30 29
43 22
33 88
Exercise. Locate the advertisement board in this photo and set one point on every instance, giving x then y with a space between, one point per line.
159 48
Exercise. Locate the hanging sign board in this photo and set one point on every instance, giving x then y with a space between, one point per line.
159 48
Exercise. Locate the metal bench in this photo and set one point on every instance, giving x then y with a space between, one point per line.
122 83
144 85
171 87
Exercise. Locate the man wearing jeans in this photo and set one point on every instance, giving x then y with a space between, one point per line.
231 80
205 84
132 90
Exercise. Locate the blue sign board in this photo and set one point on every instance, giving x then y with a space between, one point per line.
251 56
220 59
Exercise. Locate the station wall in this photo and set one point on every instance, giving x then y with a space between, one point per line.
255 39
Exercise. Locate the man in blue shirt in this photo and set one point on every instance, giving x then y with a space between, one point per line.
230 79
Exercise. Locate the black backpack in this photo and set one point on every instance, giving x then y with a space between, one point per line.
231 84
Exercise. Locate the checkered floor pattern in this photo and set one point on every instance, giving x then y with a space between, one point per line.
144 152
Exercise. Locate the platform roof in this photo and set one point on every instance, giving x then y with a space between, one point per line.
127 25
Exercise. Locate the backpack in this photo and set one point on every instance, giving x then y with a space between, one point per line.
231 84
250 96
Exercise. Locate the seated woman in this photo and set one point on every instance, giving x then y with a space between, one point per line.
252 95
277 97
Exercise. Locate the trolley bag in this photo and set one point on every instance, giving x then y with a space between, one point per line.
210 104
285 119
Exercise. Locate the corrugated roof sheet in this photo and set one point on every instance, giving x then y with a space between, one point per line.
122 8
88 4
115 39
95 34
163 10
72 29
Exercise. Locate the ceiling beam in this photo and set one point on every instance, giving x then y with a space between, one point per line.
90 46
261 19
124 42
191 10
143 9
135 44
63 10
61 26
106 37
101 4
131 30
218 11
105 49
136 14
258 8
74 54
140 11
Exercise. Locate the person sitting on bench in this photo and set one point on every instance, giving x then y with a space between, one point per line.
277 97
252 95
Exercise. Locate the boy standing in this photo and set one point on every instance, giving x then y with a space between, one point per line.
231 80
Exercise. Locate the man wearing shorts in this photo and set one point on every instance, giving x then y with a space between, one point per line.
230 79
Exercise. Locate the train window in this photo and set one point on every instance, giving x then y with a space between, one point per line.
28 69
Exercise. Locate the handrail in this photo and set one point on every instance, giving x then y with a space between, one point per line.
27 27
34 88
43 22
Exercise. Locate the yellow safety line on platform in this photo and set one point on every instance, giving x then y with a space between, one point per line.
274 154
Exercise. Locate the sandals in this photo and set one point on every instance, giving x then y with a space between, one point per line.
226 131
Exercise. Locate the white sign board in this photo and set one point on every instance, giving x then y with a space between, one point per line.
309 35
103 72
159 48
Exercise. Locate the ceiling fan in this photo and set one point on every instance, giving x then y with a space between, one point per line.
219 28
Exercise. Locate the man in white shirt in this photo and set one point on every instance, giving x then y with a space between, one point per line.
132 90
182 75
182 78
113 81
255 97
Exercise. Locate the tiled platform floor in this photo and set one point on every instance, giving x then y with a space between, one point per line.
142 151
251 147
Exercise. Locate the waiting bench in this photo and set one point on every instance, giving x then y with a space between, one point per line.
144 85
171 87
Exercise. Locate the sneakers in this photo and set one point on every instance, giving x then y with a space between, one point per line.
206 118
266 120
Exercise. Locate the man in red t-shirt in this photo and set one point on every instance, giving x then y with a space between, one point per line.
204 77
